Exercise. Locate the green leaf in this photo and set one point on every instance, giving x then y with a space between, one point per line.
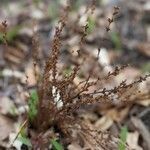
67 71
13 110
25 141
23 132
91 24
11 34
56 145
115 38
123 138
37 2
146 67
33 102
53 10
76 4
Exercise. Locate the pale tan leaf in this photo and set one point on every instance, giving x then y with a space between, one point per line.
6 127
104 123
132 140
118 115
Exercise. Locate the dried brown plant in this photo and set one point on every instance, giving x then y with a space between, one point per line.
60 98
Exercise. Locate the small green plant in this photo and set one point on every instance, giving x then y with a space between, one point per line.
11 34
146 67
123 138
53 10
24 140
56 145
116 40
91 24
33 102
67 71
22 136
36 2
13 110
76 4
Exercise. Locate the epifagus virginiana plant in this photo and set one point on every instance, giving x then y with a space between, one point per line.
58 99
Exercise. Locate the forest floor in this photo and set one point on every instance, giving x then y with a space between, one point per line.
127 43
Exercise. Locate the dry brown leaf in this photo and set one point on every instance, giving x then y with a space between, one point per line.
2 28
5 105
14 55
129 73
6 127
144 48
30 74
132 141
89 116
103 123
145 103
74 146
142 129
117 115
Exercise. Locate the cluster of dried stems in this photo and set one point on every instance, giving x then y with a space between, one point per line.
60 98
